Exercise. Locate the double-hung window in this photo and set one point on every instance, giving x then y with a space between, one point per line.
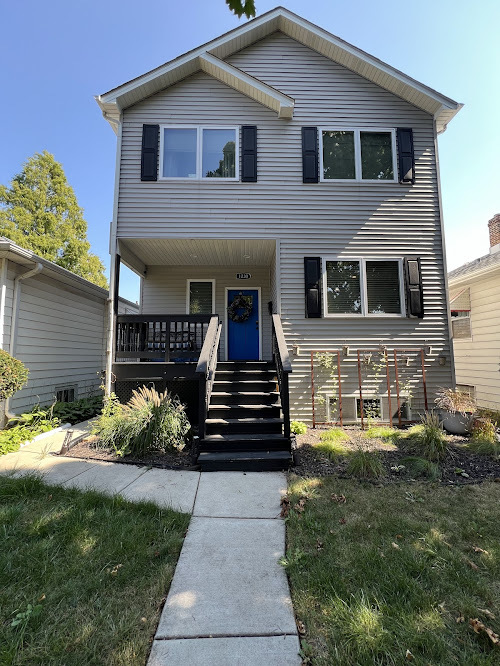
363 287
358 155
200 297
199 152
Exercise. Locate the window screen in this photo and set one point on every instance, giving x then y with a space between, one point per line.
383 287
338 155
343 287
460 325
200 297
376 156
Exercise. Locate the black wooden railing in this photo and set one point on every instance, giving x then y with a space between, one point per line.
170 338
207 365
283 369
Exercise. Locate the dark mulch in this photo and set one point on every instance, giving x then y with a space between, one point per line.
180 460
461 466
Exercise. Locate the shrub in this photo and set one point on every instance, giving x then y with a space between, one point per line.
491 414
421 467
484 438
427 439
298 427
78 410
382 432
334 435
150 421
331 449
24 427
453 400
364 464
13 375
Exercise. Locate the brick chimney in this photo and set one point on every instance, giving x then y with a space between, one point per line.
494 227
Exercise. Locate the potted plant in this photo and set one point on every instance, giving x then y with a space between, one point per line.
456 410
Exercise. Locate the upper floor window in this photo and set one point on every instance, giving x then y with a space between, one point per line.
199 152
363 287
358 155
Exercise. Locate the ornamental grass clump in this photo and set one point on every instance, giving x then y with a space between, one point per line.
150 421
331 443
365 464
484 438
427 439
454 400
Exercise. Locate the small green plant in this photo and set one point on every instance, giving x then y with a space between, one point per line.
298 427
484 438
78 410
421 467
23 428
13 375
331 449
382 432
428 439
364 464
22 619
334 435
150 421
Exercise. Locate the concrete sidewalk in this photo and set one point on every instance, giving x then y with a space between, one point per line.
229 602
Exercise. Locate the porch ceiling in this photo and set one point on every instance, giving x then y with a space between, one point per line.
198 251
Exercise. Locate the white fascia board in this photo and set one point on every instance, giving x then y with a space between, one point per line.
248 85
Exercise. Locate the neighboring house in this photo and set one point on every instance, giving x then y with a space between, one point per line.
56 323
285 182
475 312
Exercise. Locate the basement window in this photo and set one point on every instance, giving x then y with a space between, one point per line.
65 394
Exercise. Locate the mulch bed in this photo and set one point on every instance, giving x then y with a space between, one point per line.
87 450
473 468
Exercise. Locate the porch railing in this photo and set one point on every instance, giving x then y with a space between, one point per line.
283 369
207 365
170 338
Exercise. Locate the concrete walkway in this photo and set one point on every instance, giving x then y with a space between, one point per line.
229 602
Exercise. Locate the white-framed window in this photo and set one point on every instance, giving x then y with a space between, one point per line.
200 297
362 287
199 153
356 154
461 325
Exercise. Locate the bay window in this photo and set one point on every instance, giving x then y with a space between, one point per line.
363 287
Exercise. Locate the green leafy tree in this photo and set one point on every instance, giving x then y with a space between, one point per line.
40 212
240 7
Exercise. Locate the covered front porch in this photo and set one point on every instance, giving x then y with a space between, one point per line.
203 302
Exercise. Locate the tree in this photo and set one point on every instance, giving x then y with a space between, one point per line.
40 212
240 7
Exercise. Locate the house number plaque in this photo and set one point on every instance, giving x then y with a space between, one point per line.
243 276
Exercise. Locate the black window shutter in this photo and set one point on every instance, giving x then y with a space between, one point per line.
414 291
406 155
149 152
249 154
310 154
312 284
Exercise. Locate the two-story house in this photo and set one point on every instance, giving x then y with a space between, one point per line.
278 191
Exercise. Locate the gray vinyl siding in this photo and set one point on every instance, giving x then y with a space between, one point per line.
61 338
477 361
165 292
349 219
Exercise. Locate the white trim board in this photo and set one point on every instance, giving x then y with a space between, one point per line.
226 337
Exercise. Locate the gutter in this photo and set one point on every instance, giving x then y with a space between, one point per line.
14 319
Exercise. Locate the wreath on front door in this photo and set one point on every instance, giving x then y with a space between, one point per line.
240 309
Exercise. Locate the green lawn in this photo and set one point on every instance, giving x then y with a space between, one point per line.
392 569
84 574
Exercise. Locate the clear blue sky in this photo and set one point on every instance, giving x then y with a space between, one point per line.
57 55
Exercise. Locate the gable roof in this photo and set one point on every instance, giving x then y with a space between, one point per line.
210 58
478 266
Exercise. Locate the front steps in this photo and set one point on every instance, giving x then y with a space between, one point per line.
244 428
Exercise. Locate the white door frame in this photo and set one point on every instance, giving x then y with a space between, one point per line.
240 288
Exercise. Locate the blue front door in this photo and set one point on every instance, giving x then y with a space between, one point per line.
243 336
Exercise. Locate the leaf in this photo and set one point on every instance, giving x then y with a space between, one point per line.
285 507
472 565
300 506
409 656
395 546
301 627
319 545
342 521
476 549
480 628
460 619
487 612
340 499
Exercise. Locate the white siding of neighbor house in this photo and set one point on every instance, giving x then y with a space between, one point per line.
165 292
477 361
346 219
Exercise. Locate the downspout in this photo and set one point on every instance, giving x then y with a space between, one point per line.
13 322
3 294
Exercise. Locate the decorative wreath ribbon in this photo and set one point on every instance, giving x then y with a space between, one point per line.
240 309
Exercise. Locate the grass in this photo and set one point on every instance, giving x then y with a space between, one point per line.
392 569
382 432
365 464
485 447
82 576
331 443
427 439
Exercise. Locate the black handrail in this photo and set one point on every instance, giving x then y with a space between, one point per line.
283 369
207 365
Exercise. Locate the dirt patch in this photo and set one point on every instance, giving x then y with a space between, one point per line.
461 466
87 450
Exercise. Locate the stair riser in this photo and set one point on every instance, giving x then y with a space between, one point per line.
243 445
250 466
235 365
245 413
243 428
245 376
247 386
267 399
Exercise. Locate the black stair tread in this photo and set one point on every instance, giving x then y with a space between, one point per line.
222 394
206 456
245 381
275 405
243 420
245 437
